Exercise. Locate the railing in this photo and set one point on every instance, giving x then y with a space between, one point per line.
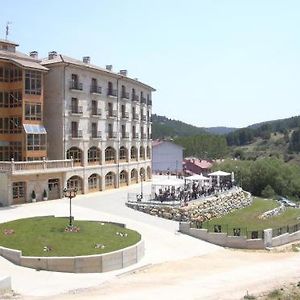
133 198
135 135
19 166
285 229
144 118
135 117
143 100
111 113
76 110
135 98
149 102
75 85
96 135
111 92
76 134
143 136
125 135
96 111
112 135
96 89
125 95
125 115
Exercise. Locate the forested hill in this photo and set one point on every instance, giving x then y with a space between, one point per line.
163 127
263 130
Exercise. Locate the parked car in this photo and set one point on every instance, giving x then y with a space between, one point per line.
287 202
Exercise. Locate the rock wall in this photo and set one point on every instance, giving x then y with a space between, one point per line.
273 212
201 210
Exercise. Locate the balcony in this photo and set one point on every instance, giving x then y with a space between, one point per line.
96 135
112 135
143 136
96 112
112 93
77 86
135 98
143 100
125 95
76 110
125 115
96 89
111 114
149 102
135 136
76 134
135 117
125 135
144 118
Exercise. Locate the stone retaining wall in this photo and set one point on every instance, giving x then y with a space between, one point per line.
79 264
199 210
273 212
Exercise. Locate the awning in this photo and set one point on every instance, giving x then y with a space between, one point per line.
34 129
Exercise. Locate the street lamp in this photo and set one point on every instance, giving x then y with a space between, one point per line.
70 193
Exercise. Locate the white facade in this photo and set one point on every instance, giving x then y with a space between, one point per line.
166 156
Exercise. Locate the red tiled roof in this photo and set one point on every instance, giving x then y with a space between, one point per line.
203 164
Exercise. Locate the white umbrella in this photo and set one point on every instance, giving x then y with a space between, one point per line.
219 173
197 177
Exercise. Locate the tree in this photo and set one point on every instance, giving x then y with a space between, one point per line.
268 192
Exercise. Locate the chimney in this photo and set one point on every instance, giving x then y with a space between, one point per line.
34 54
109 67
86 59
123 72
52 54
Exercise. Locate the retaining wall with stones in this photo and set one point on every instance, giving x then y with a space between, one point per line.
198 210
79 264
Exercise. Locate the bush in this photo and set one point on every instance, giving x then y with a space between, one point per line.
268 192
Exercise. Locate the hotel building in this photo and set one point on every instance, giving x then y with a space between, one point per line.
79 125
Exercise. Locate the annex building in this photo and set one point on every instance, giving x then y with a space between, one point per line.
68 123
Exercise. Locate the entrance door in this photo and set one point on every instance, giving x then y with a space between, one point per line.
53 189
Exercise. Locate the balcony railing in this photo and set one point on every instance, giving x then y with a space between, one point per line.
125 95
76 134
143 136
135 98
112 135
75 85
111 114
143 100
135 135
125 135
76 110
135 117
96 112
112 93
96 89
149 102
96 135
125 115
144 118
27 166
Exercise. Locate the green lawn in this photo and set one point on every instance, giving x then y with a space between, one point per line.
247 218
33 234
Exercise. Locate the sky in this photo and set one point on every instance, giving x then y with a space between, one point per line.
212 62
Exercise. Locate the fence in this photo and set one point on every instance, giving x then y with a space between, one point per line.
133 198
232 230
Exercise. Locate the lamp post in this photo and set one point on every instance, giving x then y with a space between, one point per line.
142 178
70 193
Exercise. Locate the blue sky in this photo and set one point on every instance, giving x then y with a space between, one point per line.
213 62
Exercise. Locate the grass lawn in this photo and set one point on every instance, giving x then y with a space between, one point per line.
247 218
33 234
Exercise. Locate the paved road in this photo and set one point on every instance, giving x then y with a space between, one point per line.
162 241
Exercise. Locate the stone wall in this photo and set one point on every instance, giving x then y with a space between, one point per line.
273 212
199 210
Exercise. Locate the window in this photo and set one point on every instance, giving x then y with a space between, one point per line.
10 74
12 150
123 130
33 82
11 99
148 152
36 142
75 154
110 179
10 125
94 130
109 154
74 129
94 107
94 155
18 189
122 153
133 152
33 111
123 177
75 182
142 152
93 182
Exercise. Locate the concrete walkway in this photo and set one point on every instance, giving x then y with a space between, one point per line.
162 241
